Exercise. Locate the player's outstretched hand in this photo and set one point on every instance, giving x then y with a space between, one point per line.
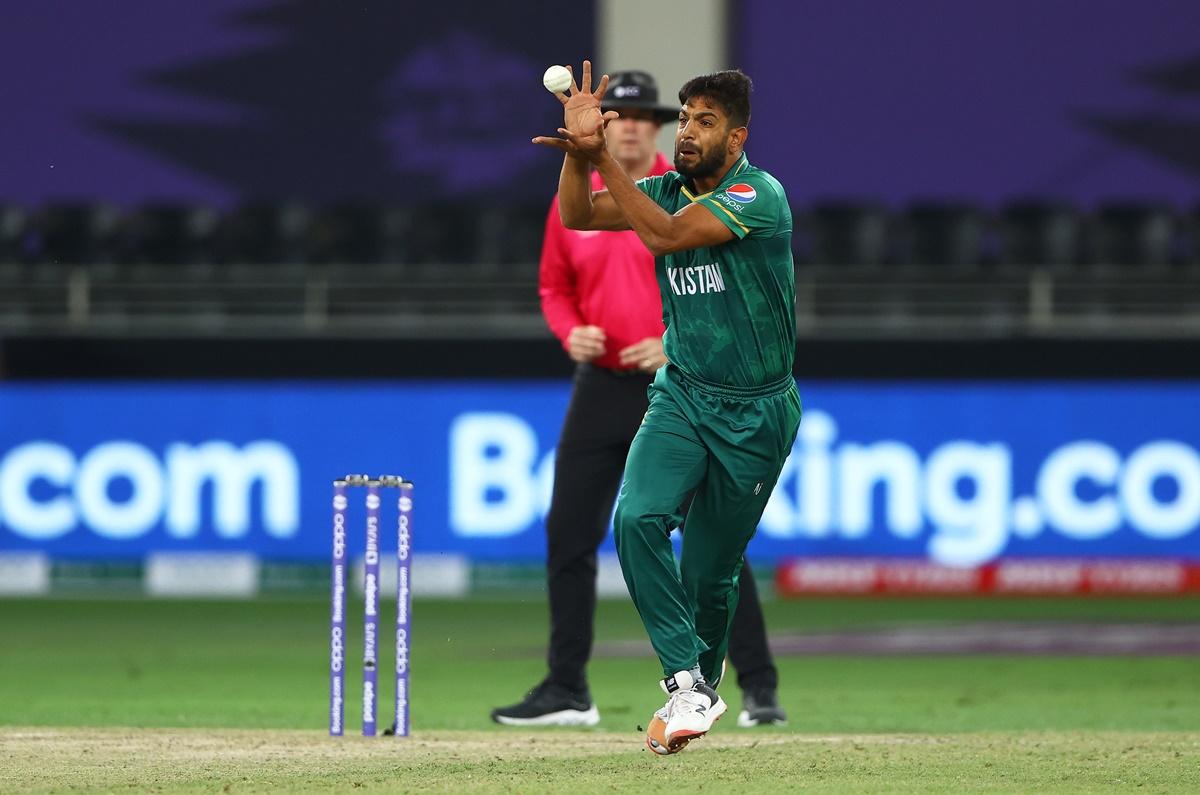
582 133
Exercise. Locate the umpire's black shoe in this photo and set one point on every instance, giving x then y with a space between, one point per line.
760 707
549 704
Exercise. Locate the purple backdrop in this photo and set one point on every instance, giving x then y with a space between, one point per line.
219 100
984 100
129 100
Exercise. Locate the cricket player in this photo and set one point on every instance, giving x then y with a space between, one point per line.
724 410
600 298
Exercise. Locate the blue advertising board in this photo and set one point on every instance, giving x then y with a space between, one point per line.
960 474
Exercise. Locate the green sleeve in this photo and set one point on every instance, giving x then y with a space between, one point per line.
652 187
756 210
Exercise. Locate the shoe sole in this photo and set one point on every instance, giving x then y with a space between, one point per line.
566 717
679 739
656 727
662 750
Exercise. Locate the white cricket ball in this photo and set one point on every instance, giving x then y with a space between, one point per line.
556 79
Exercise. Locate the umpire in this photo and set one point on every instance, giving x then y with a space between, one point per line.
600 298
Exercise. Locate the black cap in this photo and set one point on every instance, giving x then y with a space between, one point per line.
635 89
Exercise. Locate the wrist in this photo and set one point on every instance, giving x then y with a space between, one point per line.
595 158
604 161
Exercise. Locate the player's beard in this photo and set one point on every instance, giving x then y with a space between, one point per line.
708 164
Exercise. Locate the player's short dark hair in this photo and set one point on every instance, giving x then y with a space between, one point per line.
730 89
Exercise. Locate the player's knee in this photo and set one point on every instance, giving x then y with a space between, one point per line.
623 522
634 520
707 583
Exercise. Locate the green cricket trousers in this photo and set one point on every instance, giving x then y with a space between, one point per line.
727 446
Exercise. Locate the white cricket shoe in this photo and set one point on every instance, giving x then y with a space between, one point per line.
689 713
693 714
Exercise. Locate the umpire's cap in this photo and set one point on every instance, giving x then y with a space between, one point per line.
636 89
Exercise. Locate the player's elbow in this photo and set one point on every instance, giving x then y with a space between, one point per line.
662 245
573 219
668 239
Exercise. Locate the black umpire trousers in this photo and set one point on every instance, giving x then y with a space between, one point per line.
605 411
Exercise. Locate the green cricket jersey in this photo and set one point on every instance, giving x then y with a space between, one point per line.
730 310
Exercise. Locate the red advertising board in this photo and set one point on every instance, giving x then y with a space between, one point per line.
865 576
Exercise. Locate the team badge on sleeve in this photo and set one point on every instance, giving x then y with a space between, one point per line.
741 193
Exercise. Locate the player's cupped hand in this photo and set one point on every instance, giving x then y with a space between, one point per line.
646 355
582 133
585 343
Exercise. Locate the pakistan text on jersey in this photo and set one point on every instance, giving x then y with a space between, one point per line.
696 279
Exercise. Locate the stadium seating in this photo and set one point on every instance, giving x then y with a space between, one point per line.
1030 233
347 232
943 235
1135 234
846 233
1192 245
76 233
1040 233
358 266
263 232
14 230
169 234
439 233
511 234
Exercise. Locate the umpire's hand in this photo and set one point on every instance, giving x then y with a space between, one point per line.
646 355
585 343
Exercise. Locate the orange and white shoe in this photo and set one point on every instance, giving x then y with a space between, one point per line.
656 735
689 713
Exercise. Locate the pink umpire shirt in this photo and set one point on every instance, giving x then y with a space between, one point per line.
603 279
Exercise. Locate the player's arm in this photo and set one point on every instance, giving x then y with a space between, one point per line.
581 208
663 233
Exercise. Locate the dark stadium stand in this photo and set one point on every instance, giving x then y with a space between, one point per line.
1136 234
846 233
263 233
1040 233
934 269
14 231
511 234
1193 236
355 232
76 233
1029 233
168 234
943 235
439 233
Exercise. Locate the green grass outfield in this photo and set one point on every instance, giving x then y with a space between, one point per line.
173 696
